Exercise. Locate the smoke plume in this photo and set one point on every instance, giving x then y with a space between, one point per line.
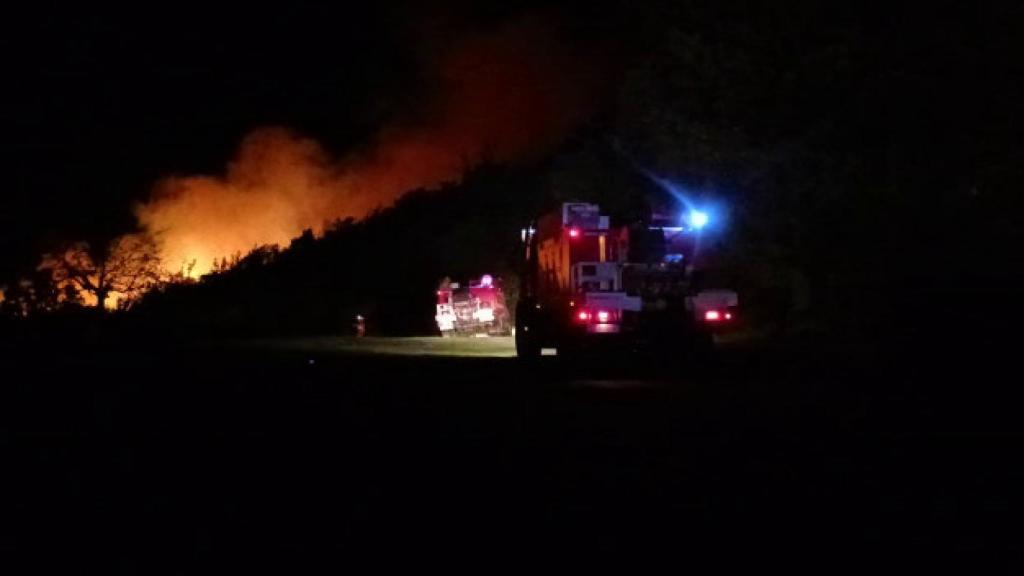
496 97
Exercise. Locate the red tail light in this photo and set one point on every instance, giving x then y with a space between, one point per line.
574 232
599 316
716 316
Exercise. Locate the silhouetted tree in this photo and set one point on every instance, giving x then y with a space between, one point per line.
126 268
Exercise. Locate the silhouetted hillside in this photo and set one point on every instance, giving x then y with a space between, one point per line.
385 268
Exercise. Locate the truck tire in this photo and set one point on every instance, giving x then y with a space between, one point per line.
527 346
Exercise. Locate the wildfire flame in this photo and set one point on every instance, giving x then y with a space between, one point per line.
500 97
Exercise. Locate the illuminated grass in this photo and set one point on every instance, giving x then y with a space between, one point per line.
493 347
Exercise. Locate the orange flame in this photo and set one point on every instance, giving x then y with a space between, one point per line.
500 97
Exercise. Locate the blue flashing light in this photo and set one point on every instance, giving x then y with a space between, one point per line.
698 219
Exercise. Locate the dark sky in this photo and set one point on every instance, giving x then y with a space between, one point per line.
97 106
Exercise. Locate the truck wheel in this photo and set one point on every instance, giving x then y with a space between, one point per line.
527 347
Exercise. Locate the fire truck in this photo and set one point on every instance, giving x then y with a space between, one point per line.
589 282
476 310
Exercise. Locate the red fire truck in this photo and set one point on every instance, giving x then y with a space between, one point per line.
479 309
589 282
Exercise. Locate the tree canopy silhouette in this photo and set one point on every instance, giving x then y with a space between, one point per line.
125 269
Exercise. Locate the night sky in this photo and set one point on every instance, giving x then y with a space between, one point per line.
101 105
98 106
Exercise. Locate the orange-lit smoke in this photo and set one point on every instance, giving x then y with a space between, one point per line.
498 97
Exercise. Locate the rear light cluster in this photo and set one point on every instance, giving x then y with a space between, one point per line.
598 316
717 316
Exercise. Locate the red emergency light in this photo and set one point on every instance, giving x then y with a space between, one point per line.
574 232
599 316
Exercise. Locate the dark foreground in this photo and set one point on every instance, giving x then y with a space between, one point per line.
285 456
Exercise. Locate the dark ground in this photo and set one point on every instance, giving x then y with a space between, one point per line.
283 457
